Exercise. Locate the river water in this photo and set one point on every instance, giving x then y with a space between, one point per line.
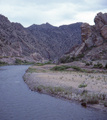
18 102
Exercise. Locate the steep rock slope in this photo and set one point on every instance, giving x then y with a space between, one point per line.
38 41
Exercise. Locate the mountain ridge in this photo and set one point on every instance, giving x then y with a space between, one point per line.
45 40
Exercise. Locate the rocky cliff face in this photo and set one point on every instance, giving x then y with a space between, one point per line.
94 39
97 34
37 41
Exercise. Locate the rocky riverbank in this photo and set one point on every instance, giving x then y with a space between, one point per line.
90 89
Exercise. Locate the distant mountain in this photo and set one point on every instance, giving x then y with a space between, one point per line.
45 40
55 41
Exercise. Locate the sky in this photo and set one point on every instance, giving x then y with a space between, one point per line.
55 12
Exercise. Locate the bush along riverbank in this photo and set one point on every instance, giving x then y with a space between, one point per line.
3 63
71 85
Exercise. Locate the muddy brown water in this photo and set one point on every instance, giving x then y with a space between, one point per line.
18 102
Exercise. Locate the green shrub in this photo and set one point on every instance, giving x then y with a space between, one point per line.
31 70
50 90
98 65
106 66
83 61
80 56
21 62
41 64
2 63
18 61
60 68
64 67
91 63
67 59
105 104
87 64
91 99
39 88
58 89
76 68
82 85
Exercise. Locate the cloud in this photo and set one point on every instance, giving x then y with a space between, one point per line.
56 12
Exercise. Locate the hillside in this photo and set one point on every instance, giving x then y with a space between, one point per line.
37 41
55 41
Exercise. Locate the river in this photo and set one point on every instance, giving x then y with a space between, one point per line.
18 102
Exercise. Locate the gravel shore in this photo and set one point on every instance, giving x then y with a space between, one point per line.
77 85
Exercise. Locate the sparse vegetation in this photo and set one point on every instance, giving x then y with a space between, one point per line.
94 98
76 68
53 90
87 64
39 88
91 63
64 67
90 99
21 62
60 68
82 85
67 58
31 70
46 63
106 66
3 63
82 94
3 57
98 65
105 104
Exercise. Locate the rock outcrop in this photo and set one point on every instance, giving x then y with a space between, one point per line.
104 31
37 41
94 39
95 35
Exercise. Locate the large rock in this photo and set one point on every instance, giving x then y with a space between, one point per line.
104 31
89 42
99 41
80 50
100 20
86 31
36 56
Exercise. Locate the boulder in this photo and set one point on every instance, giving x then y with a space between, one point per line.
89 42
100 20
86 31
80 50
99 41
36 56
104 31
